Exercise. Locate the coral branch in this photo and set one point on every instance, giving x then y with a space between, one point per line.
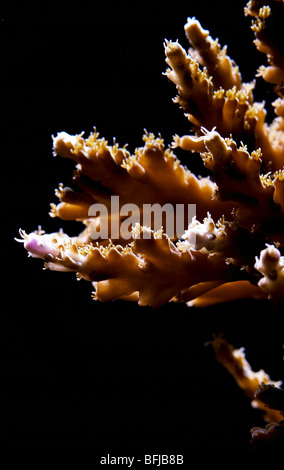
213 96
267 26
271 265
152 175
205 103
226 292
249 381
258 198
264 393
224 72
152 266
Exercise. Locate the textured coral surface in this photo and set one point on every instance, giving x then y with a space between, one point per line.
233 249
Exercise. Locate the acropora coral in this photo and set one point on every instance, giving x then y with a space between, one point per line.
233 247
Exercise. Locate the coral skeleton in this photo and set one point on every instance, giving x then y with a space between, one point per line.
233 247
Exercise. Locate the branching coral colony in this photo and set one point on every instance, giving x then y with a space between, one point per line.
233 247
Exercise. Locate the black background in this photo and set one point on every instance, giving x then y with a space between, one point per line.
112 377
